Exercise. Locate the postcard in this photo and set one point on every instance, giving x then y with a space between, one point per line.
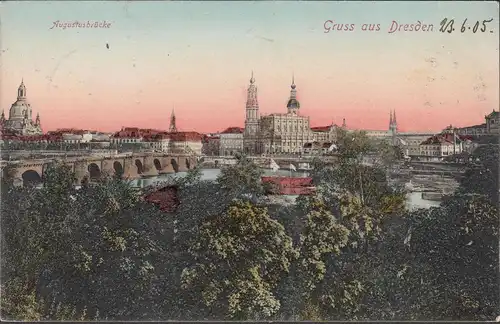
249 160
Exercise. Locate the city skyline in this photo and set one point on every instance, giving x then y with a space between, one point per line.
148 61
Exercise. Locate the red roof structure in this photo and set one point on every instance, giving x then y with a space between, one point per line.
290 185
166 198
321 128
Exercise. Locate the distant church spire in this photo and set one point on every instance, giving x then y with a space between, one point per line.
173 126
393 124
390 119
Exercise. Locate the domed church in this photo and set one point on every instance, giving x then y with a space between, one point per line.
20 116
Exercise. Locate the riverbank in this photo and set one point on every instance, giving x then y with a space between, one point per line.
414 199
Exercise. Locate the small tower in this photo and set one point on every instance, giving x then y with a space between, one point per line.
343 123
37 121
21 91
293 104
173 126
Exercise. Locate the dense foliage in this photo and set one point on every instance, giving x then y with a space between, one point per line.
350 251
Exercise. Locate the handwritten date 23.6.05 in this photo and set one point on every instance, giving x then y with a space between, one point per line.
448 26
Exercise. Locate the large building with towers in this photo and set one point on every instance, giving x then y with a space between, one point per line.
280 133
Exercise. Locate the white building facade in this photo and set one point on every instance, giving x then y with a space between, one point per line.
231 141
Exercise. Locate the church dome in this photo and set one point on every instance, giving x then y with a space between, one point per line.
18 108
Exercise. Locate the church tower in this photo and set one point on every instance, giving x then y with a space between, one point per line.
251 131
173 126
293 104
393 124
393 127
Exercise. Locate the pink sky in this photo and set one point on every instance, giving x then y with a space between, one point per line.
203 68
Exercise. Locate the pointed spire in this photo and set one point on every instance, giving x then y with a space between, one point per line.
252 80
394 117
391 119
173 126
293 104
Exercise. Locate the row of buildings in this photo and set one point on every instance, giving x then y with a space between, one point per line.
19 131
291 133
286 133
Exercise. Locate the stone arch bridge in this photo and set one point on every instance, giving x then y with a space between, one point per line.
131 166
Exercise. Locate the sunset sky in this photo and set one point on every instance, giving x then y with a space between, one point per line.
198 58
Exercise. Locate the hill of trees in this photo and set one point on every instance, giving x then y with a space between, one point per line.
352 251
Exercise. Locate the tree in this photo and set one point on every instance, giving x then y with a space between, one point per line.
452 266
358 201
442 263
240 256
99 250
482 175
242 178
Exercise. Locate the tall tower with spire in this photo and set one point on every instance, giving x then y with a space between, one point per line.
173 126
393 127
293 104
250 134
393 124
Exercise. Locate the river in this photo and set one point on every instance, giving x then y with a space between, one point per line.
414 199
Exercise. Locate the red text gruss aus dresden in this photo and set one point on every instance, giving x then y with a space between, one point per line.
331 25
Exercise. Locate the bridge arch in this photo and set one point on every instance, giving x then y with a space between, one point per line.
94 171
157 164
188 164
118 167
31 178
140 167
175 166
